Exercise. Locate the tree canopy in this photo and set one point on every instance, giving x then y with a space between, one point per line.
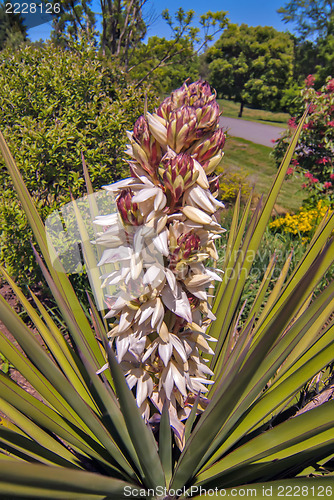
12 29
311 17
75 19
314 23
168 63
251 65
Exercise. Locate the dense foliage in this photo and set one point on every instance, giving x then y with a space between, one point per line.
54 105
12 29
74 19
230 183
314 156
251 65
313 22
311 17
164 63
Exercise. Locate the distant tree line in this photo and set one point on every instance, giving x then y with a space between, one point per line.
255 66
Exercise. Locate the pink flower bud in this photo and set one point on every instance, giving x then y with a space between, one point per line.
146 149
181 129
209 146
180 96
309 81
201 88
128 210
188 243
207 115
165 108
214 185
193 301
330 85
187 246
178 174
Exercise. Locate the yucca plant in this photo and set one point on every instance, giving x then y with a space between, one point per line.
88 435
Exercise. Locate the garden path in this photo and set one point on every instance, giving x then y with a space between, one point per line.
259 133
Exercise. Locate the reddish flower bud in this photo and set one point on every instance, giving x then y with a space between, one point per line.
309 81
128 210
181 129
201 88
146 149
165 108
291 123
207 115
209 146
193 301
214 185
178 174
180 97
187 247
189 243
141 132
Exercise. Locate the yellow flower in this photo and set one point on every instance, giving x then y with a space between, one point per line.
303 222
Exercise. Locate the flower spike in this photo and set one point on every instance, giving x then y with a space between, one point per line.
164 234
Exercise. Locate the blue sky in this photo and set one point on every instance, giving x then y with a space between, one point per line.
253 13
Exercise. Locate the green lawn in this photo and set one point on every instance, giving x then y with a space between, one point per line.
255 160
231 109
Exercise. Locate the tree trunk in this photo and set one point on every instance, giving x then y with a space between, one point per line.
241 109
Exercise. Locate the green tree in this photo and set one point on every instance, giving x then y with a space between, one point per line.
306 58
123 26
150 61
167 63
314 22
251 65
311 17
75 21
12 30
326 56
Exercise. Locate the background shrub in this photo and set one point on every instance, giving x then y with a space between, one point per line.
314 155
55 104
303 223
230 183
